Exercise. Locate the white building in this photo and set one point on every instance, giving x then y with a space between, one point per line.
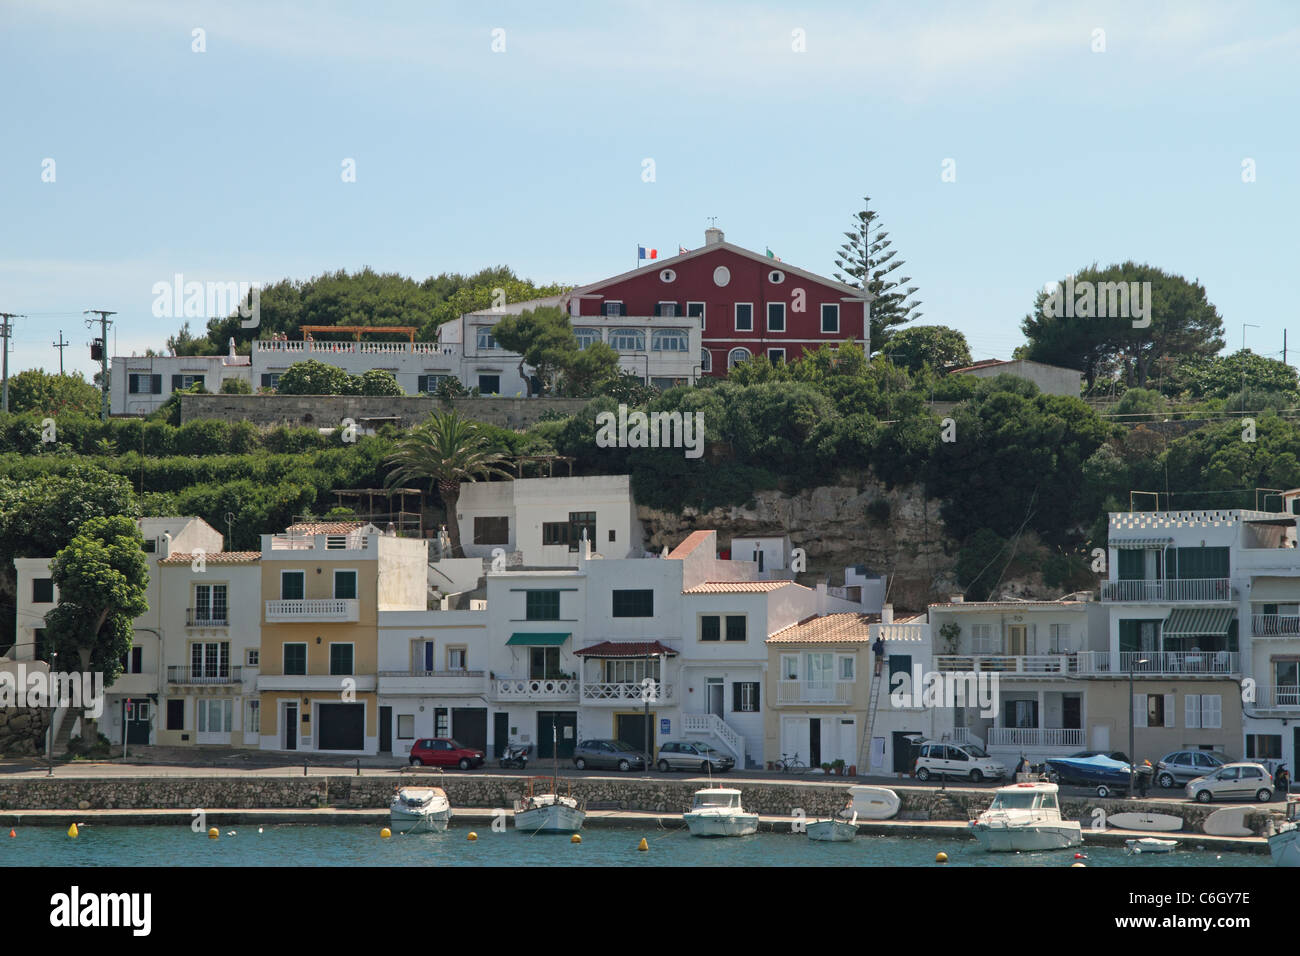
1050 379
140 384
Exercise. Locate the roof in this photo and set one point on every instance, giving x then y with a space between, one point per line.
693 541
1000 605
214 557
626 649
324 527
735 587
847 628
992 363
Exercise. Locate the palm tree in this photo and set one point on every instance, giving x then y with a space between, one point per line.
446 450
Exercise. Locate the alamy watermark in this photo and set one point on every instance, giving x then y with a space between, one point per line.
651 430
930 689
1099 300
77 690
177 299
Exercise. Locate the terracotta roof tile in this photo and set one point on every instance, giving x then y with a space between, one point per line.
324 527
736 587
693 541
215 557
848 628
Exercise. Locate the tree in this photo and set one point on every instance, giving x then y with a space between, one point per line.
937 346
101 577
236 386
866 259
589 369
316 378
543 339
35 390
1223 375
444 451
378 381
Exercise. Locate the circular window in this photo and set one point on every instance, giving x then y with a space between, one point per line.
776 277
721 276
667 275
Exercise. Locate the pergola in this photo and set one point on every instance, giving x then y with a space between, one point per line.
407 523
358 330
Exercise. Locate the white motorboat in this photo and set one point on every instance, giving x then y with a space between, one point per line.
716 812
1025 817
419 808
1284 842
1150 845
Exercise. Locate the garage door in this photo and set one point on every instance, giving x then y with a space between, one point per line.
342 727
469 727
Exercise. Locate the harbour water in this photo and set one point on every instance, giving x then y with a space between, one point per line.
307 845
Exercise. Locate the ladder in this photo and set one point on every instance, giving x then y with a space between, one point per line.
864 756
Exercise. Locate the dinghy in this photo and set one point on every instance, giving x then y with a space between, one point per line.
1150 845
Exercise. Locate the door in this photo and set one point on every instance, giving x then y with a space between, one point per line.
631 729
904 751
385 730
135 718
715 696
558 728
1016 640
794 737
820 670
469 727
1072 711
500 733
291 726
815 741
848 741
341 727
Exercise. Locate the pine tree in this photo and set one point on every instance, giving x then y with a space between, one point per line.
867 253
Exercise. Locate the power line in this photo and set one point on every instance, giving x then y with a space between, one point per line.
104 323
61 344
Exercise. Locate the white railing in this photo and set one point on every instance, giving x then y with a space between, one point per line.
1268 625
693 724
204 675
814 692
328 542
624 692
962 735
535 688
1046 664
1283 696
1159 662
1035 737
431 682
1168 589
899 632
313 609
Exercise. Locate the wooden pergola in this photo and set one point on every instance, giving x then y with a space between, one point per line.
358 330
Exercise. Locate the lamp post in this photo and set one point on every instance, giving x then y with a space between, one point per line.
49 750
1131 771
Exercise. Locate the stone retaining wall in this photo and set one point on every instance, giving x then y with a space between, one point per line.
22 731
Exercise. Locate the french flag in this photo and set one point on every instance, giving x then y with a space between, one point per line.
641 253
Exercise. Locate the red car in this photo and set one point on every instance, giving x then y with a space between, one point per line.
444 752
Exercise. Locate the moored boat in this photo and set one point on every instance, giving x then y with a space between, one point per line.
548 812
1150 845
1025 817
716 812
833 831
1284 843
873 803
419 808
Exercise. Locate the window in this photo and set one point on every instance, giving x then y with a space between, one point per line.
214 715
1153 710
555 532
345 585
42 590
493 530
210 604
210 660
706 360
613 308
982 636
789 667
133 661
776 316
736 356
1060 637
776 356
1263 746
428 384
586 337
542 605
150 546
252 717
669 340
744 697
457 658
710 628
543 663
570 532
271 379
639 603
340 659
631 671
669 310
186 381
736 627
292 585
144 384
695 310
176 713
486 342
627 340
1199 563
251 656
489 384
830 318
295 659
744 317
848 667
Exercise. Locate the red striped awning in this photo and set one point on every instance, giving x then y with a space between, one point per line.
626 649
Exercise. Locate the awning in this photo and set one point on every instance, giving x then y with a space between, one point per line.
1198 622
1133 543
537 640
626 649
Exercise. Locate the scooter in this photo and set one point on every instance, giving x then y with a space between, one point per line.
516 756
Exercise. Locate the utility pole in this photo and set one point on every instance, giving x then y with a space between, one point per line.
5 331
61 344
103 354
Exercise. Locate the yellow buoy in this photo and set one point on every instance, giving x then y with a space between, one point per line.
213 833
941 857
575 839
643 845
1073 865
472 836
385 833
72 830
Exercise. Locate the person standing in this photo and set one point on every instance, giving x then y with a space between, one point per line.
878 648
1282 782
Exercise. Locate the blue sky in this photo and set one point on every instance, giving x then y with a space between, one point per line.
225 165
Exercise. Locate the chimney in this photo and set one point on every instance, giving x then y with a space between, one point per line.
956 598
231 356
712 236
887 614
166 544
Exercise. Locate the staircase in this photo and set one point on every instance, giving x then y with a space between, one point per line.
714 725
873 703
64 732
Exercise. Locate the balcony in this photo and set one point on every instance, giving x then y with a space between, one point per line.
1035 737
1282 697
333 683
453 683
1275 625
313 609
207 617
1159 663
1168 589
1010 665
620 693
204 675
529 689
814 692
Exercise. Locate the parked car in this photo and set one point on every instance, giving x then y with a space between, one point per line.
444 752
608 754
693 755
1184 765
1242 781
956 760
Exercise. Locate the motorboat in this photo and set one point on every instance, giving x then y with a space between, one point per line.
544 809
1284 842
1025 817
1150 845
1098 771
419 808
716 812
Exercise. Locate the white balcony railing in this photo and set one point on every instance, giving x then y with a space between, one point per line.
204 675
899 632
535 688
1029 665
1035 737
814 692
313 609
1275 625
1162 663
1282 697
1168 589
621 693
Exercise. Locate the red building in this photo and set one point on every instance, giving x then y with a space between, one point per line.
748 303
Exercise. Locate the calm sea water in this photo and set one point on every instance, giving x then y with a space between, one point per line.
305 845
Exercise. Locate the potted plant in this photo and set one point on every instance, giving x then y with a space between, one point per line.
826 768
837 767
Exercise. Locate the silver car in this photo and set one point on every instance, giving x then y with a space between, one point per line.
1184 765
693 755
1240 781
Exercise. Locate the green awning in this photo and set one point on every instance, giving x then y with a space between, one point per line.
1142 543
537 640
1198 622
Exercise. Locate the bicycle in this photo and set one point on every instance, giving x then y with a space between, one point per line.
790 763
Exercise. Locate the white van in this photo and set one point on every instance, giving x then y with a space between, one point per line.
937 759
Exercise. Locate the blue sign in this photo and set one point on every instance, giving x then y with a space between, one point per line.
665 726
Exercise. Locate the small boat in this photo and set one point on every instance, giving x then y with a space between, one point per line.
716 812
1149 845
1025 816
1099 771
544 809
1158 822
873 803
1229 821
419 808
836 829
1284 843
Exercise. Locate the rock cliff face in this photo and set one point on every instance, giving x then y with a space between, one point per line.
896 532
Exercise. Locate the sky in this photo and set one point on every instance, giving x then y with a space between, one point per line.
519 133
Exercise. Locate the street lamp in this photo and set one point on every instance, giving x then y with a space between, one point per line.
49 750
1131 770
